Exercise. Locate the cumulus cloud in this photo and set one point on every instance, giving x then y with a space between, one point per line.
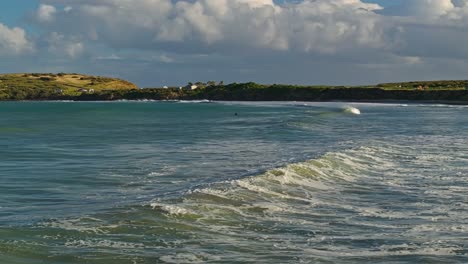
199 26
13 41
308 26
236 34
432 28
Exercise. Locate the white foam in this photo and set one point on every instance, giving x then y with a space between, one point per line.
380 213
165 171
86 225
385 251
96 243
194 101
171 209
352 110
189 258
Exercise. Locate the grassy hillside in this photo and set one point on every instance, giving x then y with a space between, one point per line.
46 85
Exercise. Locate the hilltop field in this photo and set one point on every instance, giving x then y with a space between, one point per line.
36 86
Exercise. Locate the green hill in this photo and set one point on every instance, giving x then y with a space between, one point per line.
47 85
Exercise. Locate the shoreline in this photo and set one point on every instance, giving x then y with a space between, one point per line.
384 101
51 88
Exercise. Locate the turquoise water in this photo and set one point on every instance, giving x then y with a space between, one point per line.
192 182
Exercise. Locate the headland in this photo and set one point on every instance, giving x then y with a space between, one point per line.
79 87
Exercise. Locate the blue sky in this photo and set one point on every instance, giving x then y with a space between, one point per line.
13 12
162 42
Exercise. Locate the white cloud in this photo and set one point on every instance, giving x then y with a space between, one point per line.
417 37
74 49
166 59
428 8
256 3
60 45
46 13
13 41
110 57
309 26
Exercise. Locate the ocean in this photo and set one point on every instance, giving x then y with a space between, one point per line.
233 182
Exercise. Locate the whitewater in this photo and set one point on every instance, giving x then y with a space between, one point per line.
233 182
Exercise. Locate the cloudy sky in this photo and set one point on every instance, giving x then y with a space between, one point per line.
171 42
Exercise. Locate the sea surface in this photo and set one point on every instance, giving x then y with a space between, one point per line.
233 182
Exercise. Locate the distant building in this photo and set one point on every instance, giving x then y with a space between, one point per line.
420 87
165 87
191 87
82 90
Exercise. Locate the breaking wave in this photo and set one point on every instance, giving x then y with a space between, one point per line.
205 101
372 204
352 110
369 202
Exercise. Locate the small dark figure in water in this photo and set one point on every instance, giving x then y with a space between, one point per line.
235 114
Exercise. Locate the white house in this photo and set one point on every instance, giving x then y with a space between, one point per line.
191 87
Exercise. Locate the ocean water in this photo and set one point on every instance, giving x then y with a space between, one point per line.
233 182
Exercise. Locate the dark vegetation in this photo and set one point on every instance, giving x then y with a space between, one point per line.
256 92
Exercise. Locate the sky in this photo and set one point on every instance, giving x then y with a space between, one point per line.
172 42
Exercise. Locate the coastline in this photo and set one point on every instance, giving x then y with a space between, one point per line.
402 102
74 87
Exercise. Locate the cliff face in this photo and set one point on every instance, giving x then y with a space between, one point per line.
36 86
